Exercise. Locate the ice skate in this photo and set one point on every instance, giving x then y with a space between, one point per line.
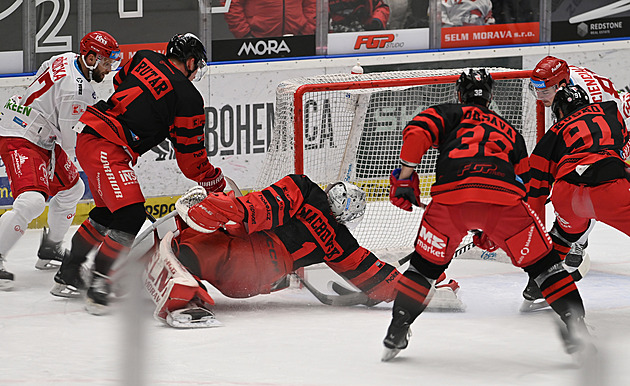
6 277
192 317
577 340
398 335
50 254
533 299
98 295
68 282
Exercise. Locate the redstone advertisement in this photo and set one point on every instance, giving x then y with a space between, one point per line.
490 35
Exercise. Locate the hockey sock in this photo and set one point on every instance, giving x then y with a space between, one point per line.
414 293
89 236
560 292
61 210
114 245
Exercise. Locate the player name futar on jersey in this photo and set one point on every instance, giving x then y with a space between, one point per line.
35 115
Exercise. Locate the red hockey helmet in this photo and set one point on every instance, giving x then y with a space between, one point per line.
550 71
104 46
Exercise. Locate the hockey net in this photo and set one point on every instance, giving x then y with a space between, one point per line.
349 127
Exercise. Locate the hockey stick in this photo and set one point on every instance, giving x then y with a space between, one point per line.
345 300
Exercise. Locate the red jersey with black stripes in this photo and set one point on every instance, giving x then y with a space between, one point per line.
153 100
297 211
482 158
591 135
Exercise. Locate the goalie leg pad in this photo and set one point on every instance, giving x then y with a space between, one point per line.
169 284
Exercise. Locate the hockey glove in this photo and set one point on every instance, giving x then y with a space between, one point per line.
482 241
217 210
404 193
213 181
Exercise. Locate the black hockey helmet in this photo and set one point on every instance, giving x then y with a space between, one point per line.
184 46
569 99
475 87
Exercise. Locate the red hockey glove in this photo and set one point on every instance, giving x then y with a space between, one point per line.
482 241
404 193
214 212
213 181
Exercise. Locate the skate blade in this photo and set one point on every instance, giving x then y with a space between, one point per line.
389 354
95 308
196 317
6 285
184 324
531 306
45 265
66 291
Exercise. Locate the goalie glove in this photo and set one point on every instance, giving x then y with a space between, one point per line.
406 192
212 212
481 240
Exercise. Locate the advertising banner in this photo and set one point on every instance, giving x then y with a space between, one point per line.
596 19
490 35
378 41
263 48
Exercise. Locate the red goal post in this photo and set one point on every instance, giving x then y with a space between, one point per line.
349 127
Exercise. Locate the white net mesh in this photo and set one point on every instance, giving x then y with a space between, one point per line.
352 131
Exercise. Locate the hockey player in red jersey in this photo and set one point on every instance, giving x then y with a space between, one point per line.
481 173
245 246
154 99
547 77
582 158
37 145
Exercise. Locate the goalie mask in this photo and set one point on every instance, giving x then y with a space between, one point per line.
475 87
347 201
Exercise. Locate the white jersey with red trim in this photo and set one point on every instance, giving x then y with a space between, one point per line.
49 108
466 12
599 89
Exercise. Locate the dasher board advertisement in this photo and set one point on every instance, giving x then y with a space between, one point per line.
595 19
263 48
490 35
378 41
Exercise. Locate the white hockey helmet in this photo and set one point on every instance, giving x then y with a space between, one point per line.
347 201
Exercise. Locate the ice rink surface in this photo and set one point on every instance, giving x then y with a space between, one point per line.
289 338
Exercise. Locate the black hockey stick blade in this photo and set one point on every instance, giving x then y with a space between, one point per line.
351 299
343 291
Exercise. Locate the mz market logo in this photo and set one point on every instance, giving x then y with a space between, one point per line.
264 47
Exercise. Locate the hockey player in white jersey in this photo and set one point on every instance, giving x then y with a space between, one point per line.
548 75
37 145
455 13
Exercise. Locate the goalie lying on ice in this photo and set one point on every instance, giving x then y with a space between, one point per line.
245 246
